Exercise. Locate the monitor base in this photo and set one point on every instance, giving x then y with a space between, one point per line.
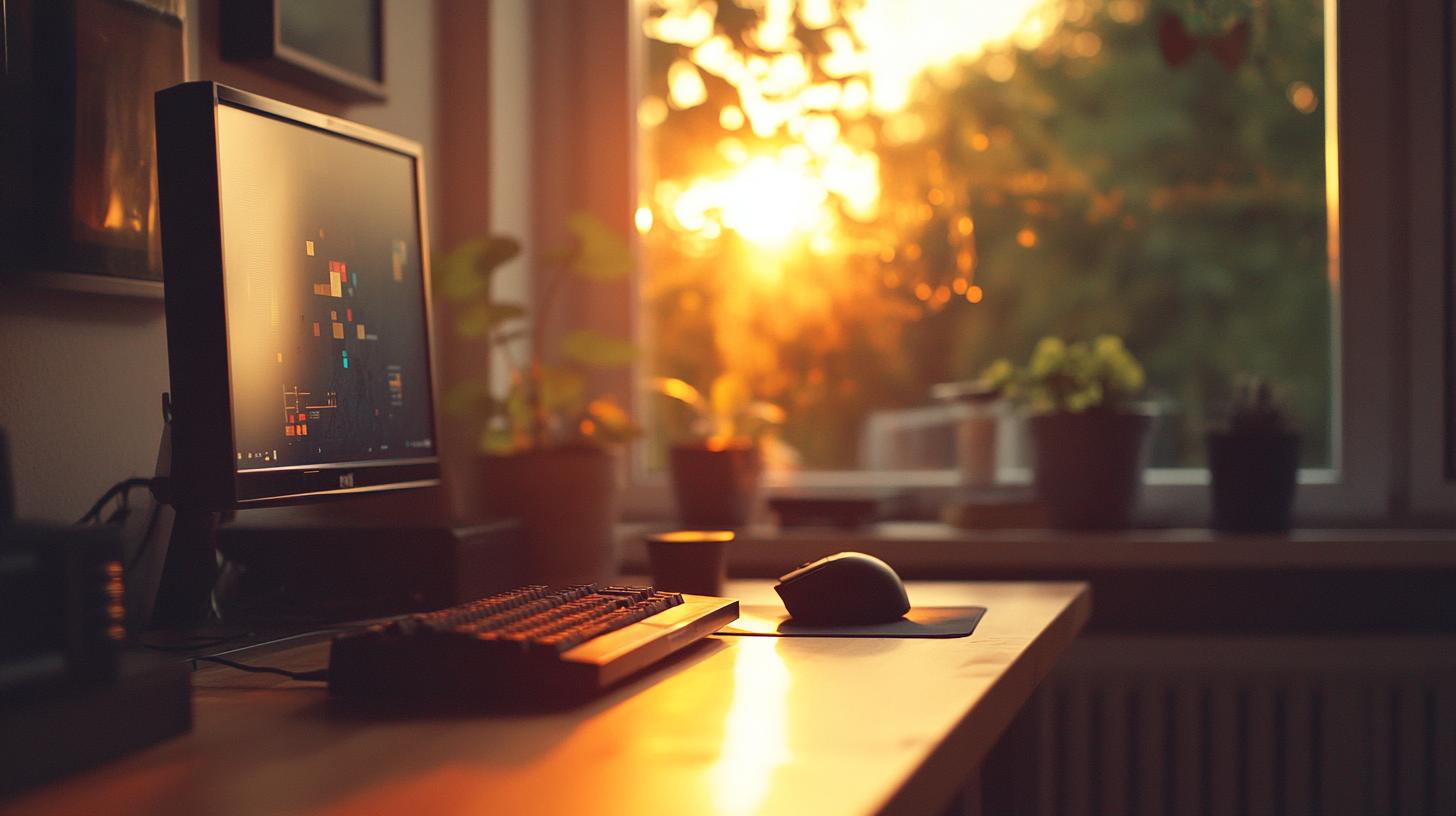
170 554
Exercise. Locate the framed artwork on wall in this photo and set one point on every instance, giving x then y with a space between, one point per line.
335 47
1449 215
79 206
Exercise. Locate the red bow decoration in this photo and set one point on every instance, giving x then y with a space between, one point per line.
1178 45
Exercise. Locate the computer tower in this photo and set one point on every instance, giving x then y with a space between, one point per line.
331 573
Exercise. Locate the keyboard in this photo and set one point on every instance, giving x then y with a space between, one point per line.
531 643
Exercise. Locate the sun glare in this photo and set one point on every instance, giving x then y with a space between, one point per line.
873 55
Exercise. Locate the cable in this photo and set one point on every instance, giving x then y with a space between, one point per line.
313 633
317 674
199 642
122 489
146 540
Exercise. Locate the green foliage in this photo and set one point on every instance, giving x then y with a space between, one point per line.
1182 209
480 318
728 416
600 253
595 349
470 397
1076 377
546 403
464 273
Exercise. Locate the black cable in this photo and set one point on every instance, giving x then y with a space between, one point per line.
199 642
317 674
146 539
122 488
345 627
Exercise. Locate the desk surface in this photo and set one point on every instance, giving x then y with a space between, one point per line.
737 725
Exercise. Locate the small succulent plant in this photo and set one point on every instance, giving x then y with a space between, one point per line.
1258 408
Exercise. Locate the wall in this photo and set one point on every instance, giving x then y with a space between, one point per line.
83 374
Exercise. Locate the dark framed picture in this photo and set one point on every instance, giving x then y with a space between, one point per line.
78 208
1449 206
334 47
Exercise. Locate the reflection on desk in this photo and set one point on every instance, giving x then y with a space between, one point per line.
733 726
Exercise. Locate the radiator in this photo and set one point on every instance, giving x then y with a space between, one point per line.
1204 726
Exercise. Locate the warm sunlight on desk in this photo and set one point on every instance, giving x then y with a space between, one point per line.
756 734
738 725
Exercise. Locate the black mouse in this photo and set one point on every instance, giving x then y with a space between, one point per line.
844 588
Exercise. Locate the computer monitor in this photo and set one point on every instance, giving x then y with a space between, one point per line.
295 268
298 315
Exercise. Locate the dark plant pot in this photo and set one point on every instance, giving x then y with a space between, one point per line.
1253 478
566 499
715 488
1089 467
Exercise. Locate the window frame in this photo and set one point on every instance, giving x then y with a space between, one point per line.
1430 37
1379 466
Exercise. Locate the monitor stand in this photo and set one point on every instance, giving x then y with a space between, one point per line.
172 560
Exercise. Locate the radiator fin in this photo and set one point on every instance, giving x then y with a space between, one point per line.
1223 727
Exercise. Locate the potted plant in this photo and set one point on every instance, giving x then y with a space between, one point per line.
716 475
547 451
1253 462
1089 437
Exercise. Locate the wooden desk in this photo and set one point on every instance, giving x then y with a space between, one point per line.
738 725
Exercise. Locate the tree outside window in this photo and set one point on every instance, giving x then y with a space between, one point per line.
844 203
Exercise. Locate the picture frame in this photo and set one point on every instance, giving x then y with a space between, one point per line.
1448 208
334 47
79 210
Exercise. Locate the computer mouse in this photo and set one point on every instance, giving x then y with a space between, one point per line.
844 588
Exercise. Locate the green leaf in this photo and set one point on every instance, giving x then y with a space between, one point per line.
595 349
562 390
464 272
478 319
517 411
601 254
499 441
470 398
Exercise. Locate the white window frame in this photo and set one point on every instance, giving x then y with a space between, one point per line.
1430 52
1382 469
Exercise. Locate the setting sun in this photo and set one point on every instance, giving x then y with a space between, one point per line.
826 169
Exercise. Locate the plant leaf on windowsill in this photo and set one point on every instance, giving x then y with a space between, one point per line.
601 254
595 349
478 319
470 398
464 272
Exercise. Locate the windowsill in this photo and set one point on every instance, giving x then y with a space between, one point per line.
926 548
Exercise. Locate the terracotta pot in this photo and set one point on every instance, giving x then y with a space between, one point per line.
1252 480
1089 467
566 499
715 488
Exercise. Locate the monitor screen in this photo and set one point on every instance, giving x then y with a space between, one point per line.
295 259
324 296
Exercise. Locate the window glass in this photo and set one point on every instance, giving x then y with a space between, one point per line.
845 203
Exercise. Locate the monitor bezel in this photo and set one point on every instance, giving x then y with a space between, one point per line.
204 472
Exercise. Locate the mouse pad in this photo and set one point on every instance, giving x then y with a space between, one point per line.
919 622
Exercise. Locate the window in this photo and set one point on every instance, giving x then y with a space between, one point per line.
842 204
